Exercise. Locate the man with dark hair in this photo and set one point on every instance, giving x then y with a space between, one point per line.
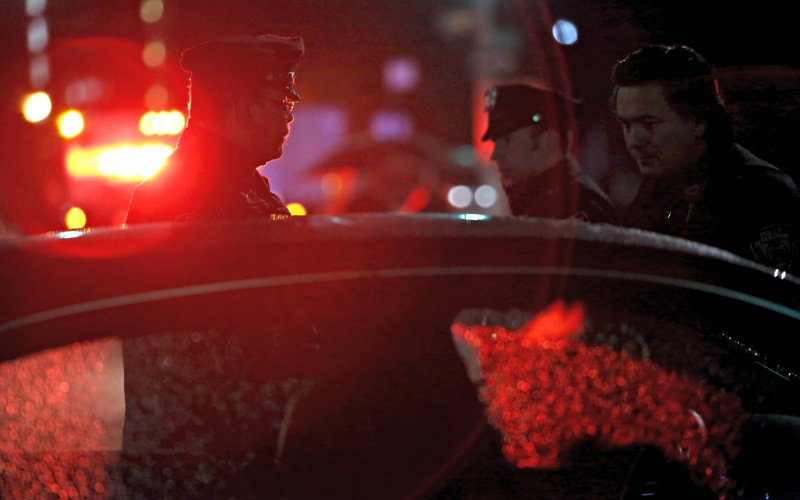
241 98
699 183
533 142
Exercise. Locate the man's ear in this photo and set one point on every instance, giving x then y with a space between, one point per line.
699 128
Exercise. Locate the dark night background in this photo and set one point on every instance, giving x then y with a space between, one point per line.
347 42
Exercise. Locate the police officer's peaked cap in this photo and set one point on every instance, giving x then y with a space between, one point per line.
511 107
268 58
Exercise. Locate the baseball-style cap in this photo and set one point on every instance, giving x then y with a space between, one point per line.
511 107
268 58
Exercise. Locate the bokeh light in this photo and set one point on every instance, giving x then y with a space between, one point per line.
121 162
485 196
565 32
38 35
154 53
297 209
75 218
332 183
156 97
459 196
416 201
70 124
401 74
36 107
151 11
39 70
35 8
391 125
162 123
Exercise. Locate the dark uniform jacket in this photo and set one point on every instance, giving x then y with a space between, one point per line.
204 182
733 200
561 192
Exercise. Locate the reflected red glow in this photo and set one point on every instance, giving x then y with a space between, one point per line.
545 391
340 187
58 411
120 162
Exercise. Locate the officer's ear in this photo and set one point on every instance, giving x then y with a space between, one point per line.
240 110
548 140
247 111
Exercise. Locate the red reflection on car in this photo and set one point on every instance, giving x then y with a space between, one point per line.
546 389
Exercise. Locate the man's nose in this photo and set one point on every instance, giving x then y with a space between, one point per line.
636 136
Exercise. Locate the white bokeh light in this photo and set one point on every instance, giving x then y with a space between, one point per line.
459 196
565 32
486 196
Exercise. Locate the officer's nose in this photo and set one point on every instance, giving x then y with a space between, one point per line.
496 152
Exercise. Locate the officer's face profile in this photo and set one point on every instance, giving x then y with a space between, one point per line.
657 137
269 113
280 98
519 153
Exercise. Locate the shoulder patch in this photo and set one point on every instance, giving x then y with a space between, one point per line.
775 246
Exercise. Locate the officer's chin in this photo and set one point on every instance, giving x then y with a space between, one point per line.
276 153
506 182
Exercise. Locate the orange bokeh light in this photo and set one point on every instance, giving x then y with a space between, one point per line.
37 106
70 124
297 209
75 218
125 162
162 123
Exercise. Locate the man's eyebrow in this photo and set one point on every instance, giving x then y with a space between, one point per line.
637 118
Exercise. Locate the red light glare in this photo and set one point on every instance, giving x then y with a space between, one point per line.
119 162
416 201
162 123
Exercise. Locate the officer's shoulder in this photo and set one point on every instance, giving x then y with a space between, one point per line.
753 173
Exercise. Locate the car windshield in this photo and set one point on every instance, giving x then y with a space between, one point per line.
456 307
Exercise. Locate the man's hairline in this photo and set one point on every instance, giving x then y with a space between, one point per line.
684 114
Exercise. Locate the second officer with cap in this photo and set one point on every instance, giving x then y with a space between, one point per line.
241 97
532 149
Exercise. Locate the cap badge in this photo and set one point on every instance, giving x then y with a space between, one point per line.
491 99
